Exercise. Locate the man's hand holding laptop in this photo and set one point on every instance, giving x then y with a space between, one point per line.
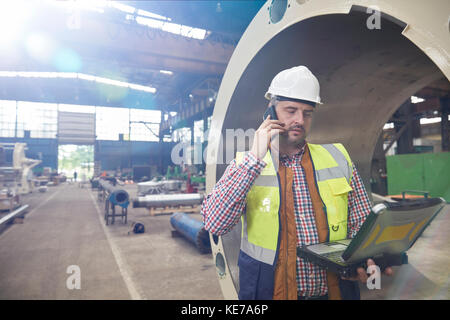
362 274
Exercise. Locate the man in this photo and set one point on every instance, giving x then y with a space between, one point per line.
289 194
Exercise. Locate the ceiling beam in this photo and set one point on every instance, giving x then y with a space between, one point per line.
74 91
130 44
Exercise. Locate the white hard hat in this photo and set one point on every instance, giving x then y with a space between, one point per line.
297 83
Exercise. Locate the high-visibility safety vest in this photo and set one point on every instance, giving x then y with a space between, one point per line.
260 222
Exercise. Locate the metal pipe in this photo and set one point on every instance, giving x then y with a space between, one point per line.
18 212
117 196
163 200
191 229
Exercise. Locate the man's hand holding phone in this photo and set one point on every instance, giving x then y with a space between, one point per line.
264 134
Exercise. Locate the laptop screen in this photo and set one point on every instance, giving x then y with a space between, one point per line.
392 228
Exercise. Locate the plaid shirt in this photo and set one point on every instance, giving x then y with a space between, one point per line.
223 207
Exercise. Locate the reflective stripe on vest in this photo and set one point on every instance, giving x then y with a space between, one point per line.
260 227
342 169
260 224
333 169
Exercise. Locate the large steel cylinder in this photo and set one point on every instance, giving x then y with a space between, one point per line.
191 229
165 200
366 70
149 187
117 196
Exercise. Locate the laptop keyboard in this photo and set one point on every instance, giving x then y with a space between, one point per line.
334 256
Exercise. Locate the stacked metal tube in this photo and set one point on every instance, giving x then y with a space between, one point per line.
163 200
117 196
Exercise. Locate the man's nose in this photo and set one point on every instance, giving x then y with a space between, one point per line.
299 118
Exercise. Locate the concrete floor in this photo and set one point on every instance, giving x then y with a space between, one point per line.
65 227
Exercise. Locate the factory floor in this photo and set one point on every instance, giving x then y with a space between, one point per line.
65 227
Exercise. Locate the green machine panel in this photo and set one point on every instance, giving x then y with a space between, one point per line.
420 171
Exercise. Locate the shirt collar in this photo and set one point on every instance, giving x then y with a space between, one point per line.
286 159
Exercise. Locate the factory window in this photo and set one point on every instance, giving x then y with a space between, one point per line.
76 108
181 135
7 118
41 119
144 124
199 135
110 122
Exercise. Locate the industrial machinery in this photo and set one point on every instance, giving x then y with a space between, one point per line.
191 229
10 202
368 60
25 165
9 197
149 187
113 196
17 178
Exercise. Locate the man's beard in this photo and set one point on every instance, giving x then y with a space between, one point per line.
287 139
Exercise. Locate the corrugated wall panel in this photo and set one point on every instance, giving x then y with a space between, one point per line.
76 128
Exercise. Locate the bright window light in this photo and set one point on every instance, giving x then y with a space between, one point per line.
430 120
7 118
156 24
148 131
151 15
73 75
40 46
181 135
142 17
76 108
99 5
111 82
110 122
86 77
174 28
13 17
90 5
415 99
41 119
122 7
199 135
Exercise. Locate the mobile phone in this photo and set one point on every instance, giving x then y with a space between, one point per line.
270 111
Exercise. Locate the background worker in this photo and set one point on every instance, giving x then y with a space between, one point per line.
289 194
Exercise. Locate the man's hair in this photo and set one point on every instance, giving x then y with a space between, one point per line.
274 100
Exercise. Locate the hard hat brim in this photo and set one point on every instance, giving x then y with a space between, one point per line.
268 96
